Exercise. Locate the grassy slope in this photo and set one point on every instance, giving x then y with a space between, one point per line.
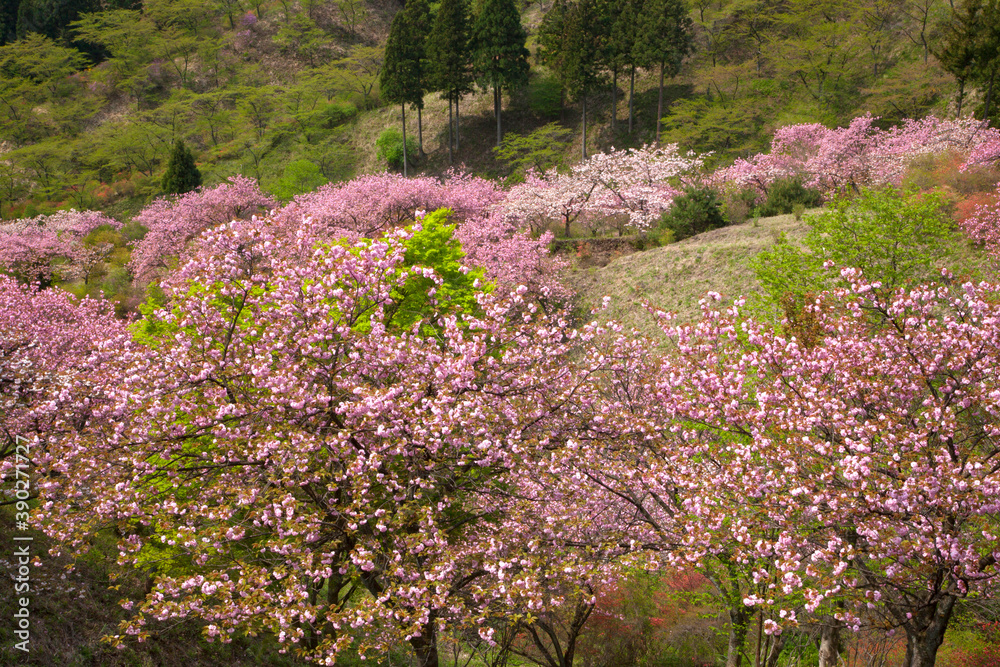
674 277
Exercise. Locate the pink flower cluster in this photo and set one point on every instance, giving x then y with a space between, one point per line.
36 249
174 222
620 189
859 155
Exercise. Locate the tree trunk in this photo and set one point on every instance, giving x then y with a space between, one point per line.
739 620
989 97
457 125
420 130
925 632
404 139
631 98
659 106
584 148
777 646
496 110
829 643
961 95
614 100
451 142
425 646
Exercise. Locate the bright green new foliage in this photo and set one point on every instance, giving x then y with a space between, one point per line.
434 246
895 238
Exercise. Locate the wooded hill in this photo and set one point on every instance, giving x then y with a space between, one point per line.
94 95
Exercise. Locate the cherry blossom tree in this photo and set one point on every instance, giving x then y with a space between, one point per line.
983 226
859 155
619 189
847 467
277 439
174 222
43 335
372 204
47 247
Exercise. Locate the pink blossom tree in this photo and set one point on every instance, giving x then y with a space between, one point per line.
375 203
983 226
859 155
173 222
278 436
846 468
620 189
53 246
43 335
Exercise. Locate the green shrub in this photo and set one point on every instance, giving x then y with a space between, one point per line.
299 176
897 239
784 194
738 205
697 210
338 113
389 147
545 96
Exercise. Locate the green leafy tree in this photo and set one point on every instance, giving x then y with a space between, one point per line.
541 150
33 72
182 174
434 246
400 80
299 176
449 61
896 239
130 40
499 56
664 39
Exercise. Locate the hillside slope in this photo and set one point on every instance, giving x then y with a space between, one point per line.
673 278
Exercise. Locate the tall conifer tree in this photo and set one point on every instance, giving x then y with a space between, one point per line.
499 57
418 19
572 38
182 174
401 78
622 51
664 39
449 60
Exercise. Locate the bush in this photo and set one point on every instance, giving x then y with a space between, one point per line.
390 148
784 194
545 96
338 113
697 210
738 205
299 176
928 172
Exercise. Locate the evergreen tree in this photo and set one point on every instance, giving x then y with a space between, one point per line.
449 60
499 57
8 21
968 50
418 19
401 78
182 174
621 48
572 37
51 17
664 39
